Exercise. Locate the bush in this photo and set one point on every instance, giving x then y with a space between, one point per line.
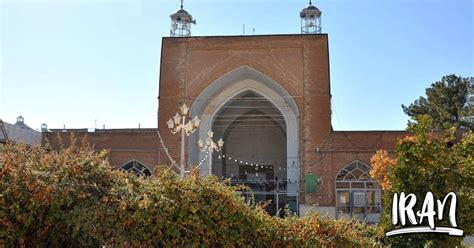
73 197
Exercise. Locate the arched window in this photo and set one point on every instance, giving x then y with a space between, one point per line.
357 194
136 167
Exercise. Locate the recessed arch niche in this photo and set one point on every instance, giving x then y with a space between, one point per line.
239 106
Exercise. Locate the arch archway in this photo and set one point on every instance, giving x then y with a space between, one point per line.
357 194
267 100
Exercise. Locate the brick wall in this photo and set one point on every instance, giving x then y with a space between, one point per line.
123 144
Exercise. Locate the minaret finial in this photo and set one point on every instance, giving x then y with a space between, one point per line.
310 19
181 22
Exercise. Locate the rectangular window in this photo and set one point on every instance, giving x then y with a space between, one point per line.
373 197
343 197
359 199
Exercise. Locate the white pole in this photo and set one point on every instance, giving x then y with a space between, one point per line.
277 203
183 166
210 161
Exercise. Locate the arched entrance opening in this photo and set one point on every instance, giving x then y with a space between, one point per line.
258 120
254 153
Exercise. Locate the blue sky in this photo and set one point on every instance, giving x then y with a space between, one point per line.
77 63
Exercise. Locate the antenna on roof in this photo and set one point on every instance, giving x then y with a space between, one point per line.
183 1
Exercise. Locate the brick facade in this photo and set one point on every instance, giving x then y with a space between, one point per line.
298 63
123 145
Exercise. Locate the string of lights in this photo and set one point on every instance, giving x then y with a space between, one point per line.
256 165
282 182
173 162
203 159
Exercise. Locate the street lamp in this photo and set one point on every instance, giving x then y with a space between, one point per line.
178 124
210 146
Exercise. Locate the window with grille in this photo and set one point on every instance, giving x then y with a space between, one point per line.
137 168
357 194
359 199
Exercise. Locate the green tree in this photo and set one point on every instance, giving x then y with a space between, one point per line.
427 161
446 102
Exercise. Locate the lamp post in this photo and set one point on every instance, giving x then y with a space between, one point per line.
178 123
210 146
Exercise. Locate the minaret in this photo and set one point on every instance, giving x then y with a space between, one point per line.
20 121
44 127
181 23
310 20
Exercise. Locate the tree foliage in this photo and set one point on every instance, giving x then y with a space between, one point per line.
73 197
446 102
381 163
425 162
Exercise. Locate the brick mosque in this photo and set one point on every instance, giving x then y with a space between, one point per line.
269 98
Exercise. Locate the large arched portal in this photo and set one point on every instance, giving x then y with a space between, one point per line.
254 153
258 121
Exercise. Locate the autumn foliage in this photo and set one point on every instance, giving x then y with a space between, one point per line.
381 163
73 197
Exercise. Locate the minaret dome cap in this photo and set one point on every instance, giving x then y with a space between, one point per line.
310 12
182 16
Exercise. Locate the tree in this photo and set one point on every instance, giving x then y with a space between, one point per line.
447 102
427 161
